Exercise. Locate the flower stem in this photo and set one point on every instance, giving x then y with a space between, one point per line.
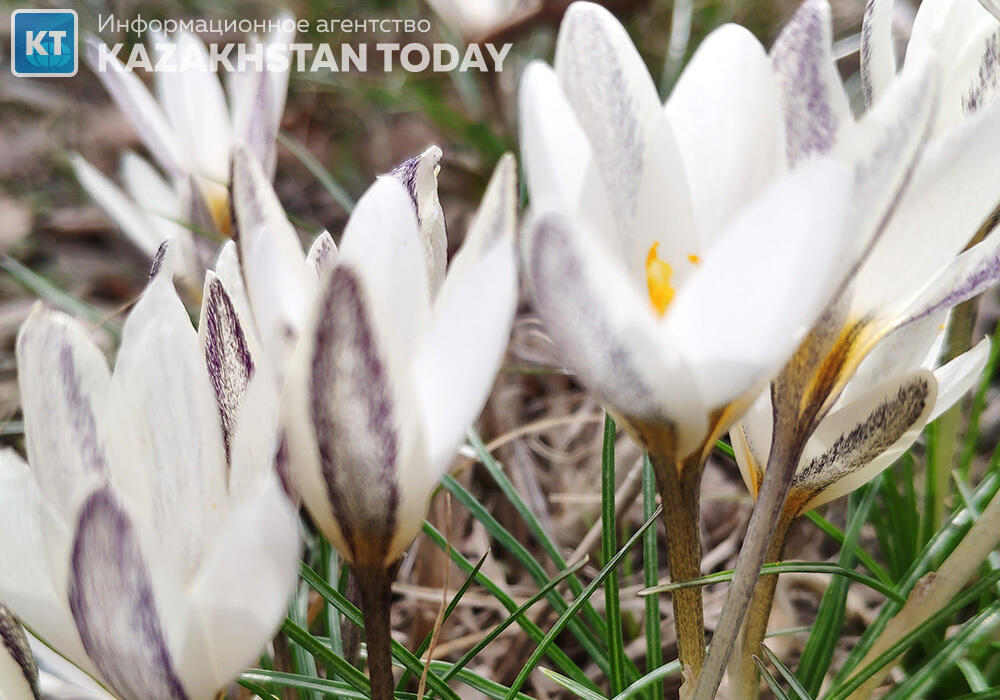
375 586
758 614
784 457
680 485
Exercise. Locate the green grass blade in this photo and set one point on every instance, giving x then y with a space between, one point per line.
250 679
339 194
587 638
769 678
800 691
612 603
940 546
572 686
818 652
650 577
652 679
487 687
978 404
515 616
925 678
325 655
785 567
866 559
557 656
53 294
564 620
303 662
496 472
449 609
348 610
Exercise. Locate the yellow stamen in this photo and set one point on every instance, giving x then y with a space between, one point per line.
218 207
694 259
658 274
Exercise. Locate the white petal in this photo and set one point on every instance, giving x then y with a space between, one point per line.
905 349
259 548
878 54
274 268
64 384
196 106
943 26
751 439
34 560
816 108
952 193
606 333
969 274
145 185
973 78
382 241
164 383
419 176
555 151
633 146
495 220
322 255
227 268
129 217
725 109
111 595
885 146
766 281
959 376
993 6
142 110
256 439
255 121
852 445
459 356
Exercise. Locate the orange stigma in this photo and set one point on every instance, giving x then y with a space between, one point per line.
658 274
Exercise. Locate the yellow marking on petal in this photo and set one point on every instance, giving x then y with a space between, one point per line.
658 274
694 259
941 327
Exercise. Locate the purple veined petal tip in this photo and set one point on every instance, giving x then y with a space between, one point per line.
13 639
112 602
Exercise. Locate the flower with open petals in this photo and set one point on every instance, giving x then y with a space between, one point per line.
135 547
189 129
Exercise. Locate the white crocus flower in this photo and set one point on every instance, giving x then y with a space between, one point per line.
18 672
135 548
189 128
383 358
646 258
472 18
385 375
897 390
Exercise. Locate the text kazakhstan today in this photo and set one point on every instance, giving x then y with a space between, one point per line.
163 56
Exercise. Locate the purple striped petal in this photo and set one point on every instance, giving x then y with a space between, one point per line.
227 354
814 100
353 409
322 255
111 598
12 639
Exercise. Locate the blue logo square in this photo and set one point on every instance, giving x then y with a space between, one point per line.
43 43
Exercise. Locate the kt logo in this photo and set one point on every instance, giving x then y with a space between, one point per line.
43 43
